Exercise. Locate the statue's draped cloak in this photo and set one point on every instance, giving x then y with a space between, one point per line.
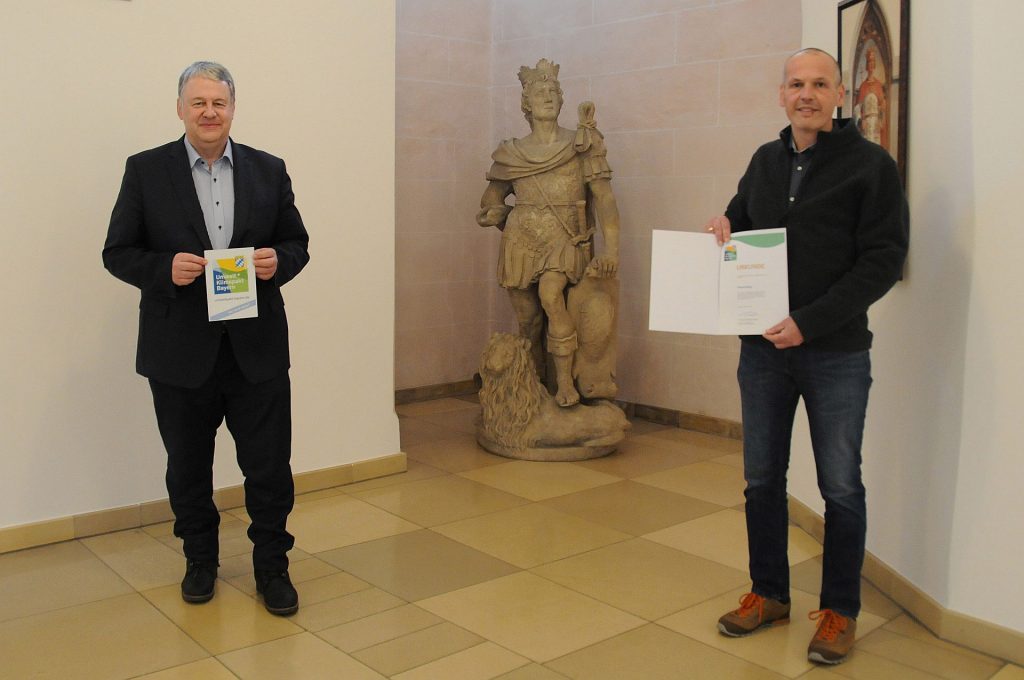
550 226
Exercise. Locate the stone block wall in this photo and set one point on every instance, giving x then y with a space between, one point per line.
685 91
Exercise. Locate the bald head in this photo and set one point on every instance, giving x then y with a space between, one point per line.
813 51
810 93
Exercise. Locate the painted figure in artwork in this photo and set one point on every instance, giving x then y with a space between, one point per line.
561 181
871 104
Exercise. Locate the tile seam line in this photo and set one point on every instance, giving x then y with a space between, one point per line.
595 23
453 38
407 79
392 639
81 604
672 64
604 74
484 641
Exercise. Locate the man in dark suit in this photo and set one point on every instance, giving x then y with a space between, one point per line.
198 193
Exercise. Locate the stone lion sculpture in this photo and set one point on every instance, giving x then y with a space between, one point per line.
522 420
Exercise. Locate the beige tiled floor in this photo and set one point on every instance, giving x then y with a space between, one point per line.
466 567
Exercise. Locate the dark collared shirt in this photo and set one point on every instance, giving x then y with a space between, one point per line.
801 161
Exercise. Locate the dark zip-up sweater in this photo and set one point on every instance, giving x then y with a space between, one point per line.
847 230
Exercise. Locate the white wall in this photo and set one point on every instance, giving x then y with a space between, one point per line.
88 83
942 459
989 520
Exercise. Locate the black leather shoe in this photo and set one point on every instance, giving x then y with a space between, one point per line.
279 596
197 586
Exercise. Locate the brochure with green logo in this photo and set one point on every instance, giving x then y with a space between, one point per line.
230 284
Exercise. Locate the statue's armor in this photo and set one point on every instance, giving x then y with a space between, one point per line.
544 231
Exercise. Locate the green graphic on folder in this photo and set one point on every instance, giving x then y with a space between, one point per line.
231 275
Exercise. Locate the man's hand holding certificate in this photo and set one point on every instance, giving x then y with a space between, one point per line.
739 287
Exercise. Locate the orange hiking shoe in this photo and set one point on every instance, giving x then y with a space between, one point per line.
834 637
754 612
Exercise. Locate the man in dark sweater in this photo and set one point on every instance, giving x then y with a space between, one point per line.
840 199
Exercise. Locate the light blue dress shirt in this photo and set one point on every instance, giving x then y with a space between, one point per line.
215 187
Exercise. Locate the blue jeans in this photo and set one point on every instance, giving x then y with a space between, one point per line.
834 386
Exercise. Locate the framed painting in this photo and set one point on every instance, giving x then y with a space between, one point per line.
874 56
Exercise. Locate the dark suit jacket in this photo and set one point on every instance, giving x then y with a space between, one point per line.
157 215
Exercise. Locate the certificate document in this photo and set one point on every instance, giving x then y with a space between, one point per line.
697 286
230 284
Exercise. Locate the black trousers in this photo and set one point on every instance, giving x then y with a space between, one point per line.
259 419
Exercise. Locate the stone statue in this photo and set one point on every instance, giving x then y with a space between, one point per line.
562 186
520 419
565 298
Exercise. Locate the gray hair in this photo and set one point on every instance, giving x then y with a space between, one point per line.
207 69
813 50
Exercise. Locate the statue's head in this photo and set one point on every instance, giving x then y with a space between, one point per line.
542 94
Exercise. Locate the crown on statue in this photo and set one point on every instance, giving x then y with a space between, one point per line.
545 70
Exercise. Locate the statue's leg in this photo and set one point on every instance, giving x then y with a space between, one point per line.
531 321
561 335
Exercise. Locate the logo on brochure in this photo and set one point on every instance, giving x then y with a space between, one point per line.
231 275
729 253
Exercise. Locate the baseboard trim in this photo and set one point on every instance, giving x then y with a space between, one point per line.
983 636
452 389
720 427
32 535
657 414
